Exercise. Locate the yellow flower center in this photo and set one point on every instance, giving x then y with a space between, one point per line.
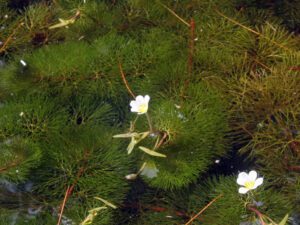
249 184
143 108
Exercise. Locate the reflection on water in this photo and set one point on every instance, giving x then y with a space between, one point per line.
19 206
17 200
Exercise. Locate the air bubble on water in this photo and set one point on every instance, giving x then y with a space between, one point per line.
23 62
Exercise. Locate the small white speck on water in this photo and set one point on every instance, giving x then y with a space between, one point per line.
23 62
217 161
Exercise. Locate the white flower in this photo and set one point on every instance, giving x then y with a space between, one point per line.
140 105
21 114
249 181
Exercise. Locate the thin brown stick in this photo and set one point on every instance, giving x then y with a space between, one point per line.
165 135
63 205
173 13
70 188
11 165
192 45
155 208
3 48
259 214
294 168
191 54
125 81
251 30
262 64
202 210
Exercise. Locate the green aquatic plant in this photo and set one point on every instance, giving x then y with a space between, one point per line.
221 75
231 207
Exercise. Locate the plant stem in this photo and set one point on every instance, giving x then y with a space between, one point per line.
133 123
125 81
202 210
259 214
149 122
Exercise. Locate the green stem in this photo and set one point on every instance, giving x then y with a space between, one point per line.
133 123
149 122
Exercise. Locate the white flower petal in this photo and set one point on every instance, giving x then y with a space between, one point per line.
243 190
147 99
139 99
242 178
133 103
258 182
134 109
252 175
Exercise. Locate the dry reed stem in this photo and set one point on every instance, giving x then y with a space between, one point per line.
202 210
174 14
191 54
125 81
63 205
251 30
3 48
70 188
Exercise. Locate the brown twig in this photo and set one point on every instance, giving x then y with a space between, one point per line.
70 188
165 135
251 30
191 53
259 214
13 164
67 194
154 208
2 49
173 13
295 68
192 46
7 167
202 210
125 81
294 168
263 65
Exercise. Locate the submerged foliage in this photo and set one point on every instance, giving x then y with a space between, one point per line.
219 73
